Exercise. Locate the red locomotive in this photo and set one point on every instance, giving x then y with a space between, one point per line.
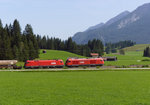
75 62
71 62
43 64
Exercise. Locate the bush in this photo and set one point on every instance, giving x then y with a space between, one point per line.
97 67
122 52
65 67
84 67
123 66
118 66
145 66
146 60
109 65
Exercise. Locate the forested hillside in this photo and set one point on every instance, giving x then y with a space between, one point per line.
113 47
17 45
94 46
24 45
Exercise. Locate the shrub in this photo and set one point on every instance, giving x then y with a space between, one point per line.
65 67
144 66
97 67
118 66
146 60
84 67
123 66
122 52
109 65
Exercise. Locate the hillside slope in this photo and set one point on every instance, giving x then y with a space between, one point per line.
138 47
56 54
131 26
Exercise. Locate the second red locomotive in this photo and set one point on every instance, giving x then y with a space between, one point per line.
75 62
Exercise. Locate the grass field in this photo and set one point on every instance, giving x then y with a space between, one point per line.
133 56
56 54
130 58
75 88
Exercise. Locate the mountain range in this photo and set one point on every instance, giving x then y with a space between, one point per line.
127 25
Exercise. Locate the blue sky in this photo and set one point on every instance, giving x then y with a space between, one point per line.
63 18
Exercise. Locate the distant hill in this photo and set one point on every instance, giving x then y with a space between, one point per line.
125 26
138 47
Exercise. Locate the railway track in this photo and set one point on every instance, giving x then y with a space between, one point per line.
74 69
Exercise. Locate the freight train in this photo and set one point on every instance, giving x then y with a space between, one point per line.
58 63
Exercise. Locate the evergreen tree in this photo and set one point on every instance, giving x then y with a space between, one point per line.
31 51
113 47
62 45
15 52
69 46
43 43
25 49
122 52
32 42
146 52
16 31
7 45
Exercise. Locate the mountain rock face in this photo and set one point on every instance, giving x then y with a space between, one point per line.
118 17
95 27
126 26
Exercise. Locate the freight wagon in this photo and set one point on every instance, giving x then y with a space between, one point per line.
30 64
75 62
8 63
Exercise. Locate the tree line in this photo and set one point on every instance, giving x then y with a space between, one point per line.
146 52
113 47
24 45
18 45
94 46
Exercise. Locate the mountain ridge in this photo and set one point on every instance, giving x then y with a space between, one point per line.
130 26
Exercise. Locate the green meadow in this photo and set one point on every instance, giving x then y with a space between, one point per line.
133 56
137 47
75 88
130 58
56 54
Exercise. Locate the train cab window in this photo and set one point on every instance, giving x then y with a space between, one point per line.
27 62
60 61
68 61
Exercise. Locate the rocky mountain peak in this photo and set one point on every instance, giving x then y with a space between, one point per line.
125 26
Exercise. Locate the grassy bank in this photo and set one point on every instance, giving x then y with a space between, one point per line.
75 88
